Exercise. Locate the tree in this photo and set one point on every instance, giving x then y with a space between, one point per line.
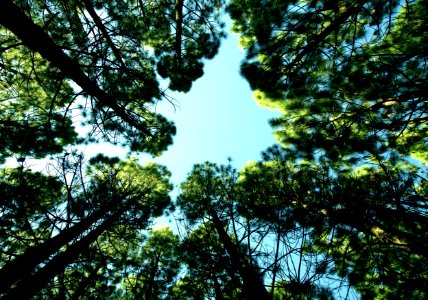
208 193
108 58
359 225
96 64
116 194
210 273
348 76
349 79
274 196
313 232
154 268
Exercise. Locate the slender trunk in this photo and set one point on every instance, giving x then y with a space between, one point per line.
178 29
151 282
37 40
33 283
275 267
24 264
253 283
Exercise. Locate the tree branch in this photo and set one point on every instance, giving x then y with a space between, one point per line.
354 8
36 39
102 28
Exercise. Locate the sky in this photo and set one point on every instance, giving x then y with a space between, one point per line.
218 118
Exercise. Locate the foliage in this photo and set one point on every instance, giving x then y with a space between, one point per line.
338 210
86 71
112 198
348 76
113 53
152 271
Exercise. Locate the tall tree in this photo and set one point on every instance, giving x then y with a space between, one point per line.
65 64
359 225
348 76
349 79
117 193
113 53
210 272
154 268
208 193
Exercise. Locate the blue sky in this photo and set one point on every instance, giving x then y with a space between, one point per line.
218 118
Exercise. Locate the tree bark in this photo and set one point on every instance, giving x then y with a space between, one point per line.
33 283
24 264
253 283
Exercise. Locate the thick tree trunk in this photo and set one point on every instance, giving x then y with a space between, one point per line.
25 264
33 36
253 283
33 283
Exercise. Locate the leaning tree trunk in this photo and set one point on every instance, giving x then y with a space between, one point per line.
253 283
25 264
33 283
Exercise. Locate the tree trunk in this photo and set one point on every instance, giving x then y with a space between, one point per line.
33 283
253 283
150 289
24 264
178 30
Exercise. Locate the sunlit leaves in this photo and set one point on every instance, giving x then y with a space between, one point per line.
33 103
347 76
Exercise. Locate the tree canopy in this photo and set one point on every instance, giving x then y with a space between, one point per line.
348 76
336 210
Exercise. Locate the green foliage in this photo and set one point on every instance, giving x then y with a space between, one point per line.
93 211
26 199
152 267
76 233
296 290
113 52
33 102
339 208
349 77
208 188
366 225
210 272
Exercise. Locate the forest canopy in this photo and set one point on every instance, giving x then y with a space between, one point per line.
336 210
